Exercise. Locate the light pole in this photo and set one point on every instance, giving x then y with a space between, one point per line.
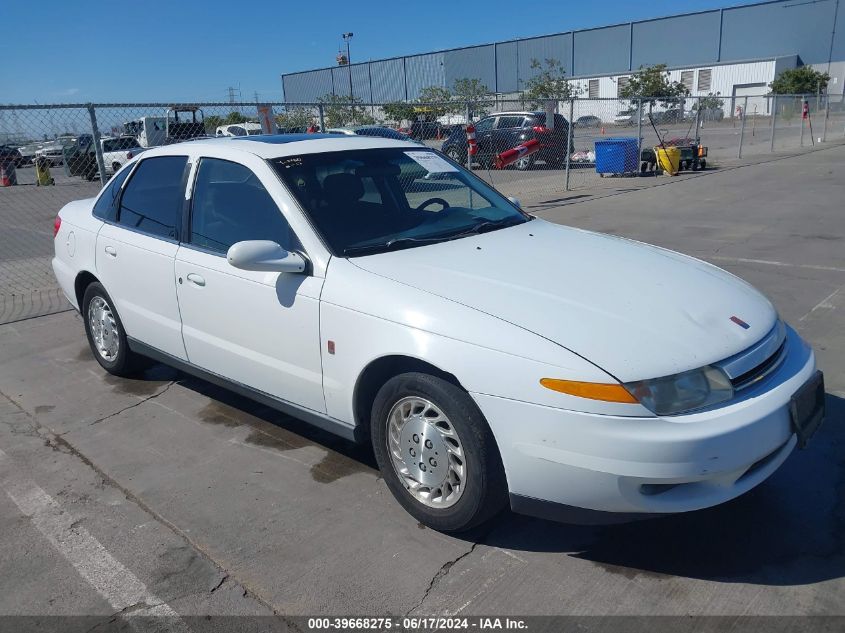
346 37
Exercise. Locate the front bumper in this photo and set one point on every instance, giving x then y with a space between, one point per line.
649 465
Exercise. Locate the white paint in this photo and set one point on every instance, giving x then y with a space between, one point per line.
108 576
823 304
768 262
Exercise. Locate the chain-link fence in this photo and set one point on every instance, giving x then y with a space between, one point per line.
54 154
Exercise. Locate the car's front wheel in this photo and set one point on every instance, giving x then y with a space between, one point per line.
436 452
105 333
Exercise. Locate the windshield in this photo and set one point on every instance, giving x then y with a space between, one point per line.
375 200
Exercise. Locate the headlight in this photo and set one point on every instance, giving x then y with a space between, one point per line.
689 390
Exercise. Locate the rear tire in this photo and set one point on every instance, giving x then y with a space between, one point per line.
106 336
436 453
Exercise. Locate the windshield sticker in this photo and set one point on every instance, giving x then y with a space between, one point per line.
431 162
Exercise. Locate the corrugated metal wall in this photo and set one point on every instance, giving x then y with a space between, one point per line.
768 30
694 40
476 63
602 51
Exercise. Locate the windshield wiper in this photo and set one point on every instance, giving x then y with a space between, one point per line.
395 243
487 225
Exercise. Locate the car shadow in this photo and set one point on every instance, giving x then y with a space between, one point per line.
790 530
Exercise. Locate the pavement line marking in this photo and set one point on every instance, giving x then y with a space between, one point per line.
824 303
773 263
114 582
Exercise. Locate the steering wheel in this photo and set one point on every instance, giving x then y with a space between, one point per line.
439 201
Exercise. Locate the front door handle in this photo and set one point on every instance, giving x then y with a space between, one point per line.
111 250
196 279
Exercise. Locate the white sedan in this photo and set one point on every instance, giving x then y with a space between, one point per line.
378 290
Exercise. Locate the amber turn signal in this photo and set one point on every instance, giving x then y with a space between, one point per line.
592 390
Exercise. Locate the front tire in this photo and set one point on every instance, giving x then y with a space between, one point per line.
436 452
106 336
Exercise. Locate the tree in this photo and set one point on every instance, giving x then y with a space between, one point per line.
652 85
549 84
435 95
294 117
470 90
399 111
338 111
710 102
800 81
235 117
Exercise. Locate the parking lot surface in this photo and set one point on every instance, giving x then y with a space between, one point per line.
196 501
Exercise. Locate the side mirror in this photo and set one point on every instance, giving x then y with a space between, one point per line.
515 202
264 255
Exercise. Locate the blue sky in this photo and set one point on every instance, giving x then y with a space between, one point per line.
65 51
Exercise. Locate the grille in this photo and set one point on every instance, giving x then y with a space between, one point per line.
759 372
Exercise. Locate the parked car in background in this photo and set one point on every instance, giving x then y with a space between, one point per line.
370 130
588 121
28 152
505 130
118 150
668 116
490 358
627 116
53 151
249 128
423 130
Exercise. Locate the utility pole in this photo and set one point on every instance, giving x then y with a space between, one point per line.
346 37
231 91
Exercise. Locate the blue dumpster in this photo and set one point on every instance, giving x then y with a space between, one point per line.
617 156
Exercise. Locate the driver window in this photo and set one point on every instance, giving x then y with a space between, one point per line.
229 204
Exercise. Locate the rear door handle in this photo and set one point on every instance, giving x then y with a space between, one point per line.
111 250
196 279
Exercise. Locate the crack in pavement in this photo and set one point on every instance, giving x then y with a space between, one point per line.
442 573
60 441
136 404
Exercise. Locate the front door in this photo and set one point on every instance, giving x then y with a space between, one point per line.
260 329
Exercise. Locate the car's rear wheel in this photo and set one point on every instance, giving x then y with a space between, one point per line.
105 333
436 452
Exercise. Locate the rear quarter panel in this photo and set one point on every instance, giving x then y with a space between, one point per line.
74 245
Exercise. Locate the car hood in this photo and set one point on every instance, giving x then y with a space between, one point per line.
637 311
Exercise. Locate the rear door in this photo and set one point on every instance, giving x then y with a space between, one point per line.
136 251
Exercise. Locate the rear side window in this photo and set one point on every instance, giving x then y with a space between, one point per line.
105 207
152 199
231 205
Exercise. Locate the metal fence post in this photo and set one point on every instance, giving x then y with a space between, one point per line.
467 122
802 121
774 118
698 120
322 118
826 116
98 148
569 133
639 130
742 126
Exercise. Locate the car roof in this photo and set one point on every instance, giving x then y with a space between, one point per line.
279 145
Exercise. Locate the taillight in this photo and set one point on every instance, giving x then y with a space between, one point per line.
128 155
541 129
57 224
